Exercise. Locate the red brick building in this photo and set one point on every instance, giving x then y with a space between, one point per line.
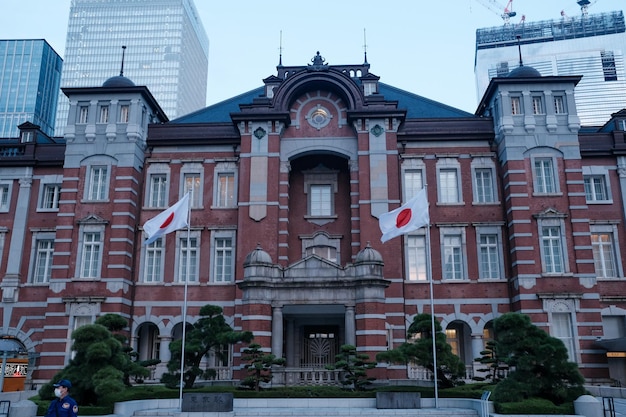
288 182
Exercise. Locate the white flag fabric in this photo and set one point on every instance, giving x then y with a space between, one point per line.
170 220
407 218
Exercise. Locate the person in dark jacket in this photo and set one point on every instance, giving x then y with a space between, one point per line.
63 405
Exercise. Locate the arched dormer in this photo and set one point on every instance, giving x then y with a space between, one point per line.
330 80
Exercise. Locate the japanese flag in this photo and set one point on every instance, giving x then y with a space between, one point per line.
170 220
411 216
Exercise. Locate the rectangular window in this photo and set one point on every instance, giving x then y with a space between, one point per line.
595 188
417 258
320 200
223 260
544 176
226 189
608 66
552 245
452 257
413 183
516 105
4 197
484 185
192 183
158 190
537 105
153 271
83 114
559 105
104 114
489 256
448 186
98 184
92 247
27 137
124 113
562 324
43 261
51 194
604 254
188 266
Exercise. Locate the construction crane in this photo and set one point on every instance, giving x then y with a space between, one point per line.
505 12
584 8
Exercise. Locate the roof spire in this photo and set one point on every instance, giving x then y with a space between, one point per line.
519 49
280 50
364 46
122 68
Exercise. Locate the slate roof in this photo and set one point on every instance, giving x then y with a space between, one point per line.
417 107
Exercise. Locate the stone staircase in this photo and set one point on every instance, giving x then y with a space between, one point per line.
320 407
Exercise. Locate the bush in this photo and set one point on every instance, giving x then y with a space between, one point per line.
534 406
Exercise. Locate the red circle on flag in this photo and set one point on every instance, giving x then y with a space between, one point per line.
403 218
167 221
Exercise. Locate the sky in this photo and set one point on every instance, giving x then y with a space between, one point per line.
425 47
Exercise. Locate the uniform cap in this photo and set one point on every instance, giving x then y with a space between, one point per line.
63 383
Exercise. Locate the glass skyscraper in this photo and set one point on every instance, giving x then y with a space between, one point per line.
30 72
590 45
167 50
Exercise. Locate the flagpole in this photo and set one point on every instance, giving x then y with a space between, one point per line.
182 349
432 310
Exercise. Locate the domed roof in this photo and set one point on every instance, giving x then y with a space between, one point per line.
524 72
369 255
257 256
118 81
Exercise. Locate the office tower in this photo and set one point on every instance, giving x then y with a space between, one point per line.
166 50
30 72
591 45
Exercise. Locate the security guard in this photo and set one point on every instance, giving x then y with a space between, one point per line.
63 405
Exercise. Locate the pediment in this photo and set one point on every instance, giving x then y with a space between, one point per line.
92 219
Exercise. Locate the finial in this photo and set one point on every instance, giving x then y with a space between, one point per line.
364 46
122 68
280 50
519 49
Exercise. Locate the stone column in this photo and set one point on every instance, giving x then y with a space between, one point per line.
277 332
350 326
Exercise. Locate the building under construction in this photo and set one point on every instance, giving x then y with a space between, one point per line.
591 45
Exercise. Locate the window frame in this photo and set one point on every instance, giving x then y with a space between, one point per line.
33 276
97 189
540 185
611 230
537 103
413 181
83 114
47 184
418 257
124 113
104 113
6 188
547 258
221 170
516 108
85 231
484 165
321 178
559 103
495 231
445 233
602 173
153 268
189 171
217 236
449 165
181 246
